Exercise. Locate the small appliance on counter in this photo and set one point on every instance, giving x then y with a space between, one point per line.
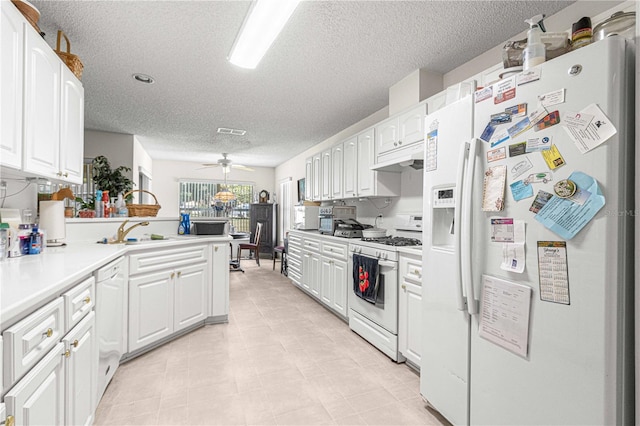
328 215
349 228
305 217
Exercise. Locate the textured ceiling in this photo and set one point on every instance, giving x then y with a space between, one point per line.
330 67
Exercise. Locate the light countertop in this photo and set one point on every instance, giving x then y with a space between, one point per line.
28 282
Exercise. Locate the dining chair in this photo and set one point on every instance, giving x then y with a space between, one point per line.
253 247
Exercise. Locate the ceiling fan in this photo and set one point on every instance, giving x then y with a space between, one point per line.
227 165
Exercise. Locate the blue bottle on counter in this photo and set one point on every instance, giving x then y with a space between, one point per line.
185 224
35 245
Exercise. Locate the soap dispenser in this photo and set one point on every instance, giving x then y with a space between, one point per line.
535 53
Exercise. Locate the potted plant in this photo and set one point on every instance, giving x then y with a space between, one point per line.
87 208
112 180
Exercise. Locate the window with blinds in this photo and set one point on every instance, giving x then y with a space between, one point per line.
207 199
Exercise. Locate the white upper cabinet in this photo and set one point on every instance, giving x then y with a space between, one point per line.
412 125
325 187
11 74
308 181
366 176
401 130
350 169
71 127
337 168
387 132
41 107
316 194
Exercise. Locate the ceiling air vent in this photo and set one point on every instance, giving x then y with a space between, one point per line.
227 131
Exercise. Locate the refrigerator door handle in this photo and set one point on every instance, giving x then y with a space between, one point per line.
467 215
457 221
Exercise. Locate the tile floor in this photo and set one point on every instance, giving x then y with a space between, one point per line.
282 359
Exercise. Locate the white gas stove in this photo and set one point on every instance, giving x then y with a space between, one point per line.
378 322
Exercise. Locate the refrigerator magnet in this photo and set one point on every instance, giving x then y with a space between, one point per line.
552 98
517 149
493 189
499 137
539 202
529 76
539 144
597 131
519 110
488 132
549 120
521 190
496 154
553 158
553 272
521 126
566 217
543 177
505 90
500 118
520 167
565 188
502 230
483 94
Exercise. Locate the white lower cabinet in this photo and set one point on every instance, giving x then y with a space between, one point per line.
410 308
81 372
324 269
190 291
166 297
38 399
219 280
150 308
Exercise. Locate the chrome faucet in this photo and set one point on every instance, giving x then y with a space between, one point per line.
123 232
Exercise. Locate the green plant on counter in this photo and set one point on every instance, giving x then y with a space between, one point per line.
89 204
112 180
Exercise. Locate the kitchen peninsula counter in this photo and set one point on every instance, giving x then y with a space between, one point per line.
29 282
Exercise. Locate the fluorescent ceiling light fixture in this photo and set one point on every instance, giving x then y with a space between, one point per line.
262 25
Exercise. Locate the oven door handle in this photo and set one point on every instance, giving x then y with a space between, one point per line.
388 264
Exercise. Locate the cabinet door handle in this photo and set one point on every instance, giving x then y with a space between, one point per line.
87 300
395 144
404 287
399 142
179 274
48 333
75 343
65 174
67 353
216 248
173 275
10 421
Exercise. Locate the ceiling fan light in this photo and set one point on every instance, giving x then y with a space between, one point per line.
262 25
226 168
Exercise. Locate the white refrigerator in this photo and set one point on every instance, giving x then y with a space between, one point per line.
528 318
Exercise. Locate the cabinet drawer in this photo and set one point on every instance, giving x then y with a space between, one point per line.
295 240
312 245
294 254
294 264
411 268
295 277
167 258
29 340
335 250
78 302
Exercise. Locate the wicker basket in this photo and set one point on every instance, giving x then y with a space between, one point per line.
145 210
71 60
29 12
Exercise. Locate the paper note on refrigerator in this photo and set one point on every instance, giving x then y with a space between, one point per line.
513 253
493 189
431 152
504 318
597 130
567 217
552 271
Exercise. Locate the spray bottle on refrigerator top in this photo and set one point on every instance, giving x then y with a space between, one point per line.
534 54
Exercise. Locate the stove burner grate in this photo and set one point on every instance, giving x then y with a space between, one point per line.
394 241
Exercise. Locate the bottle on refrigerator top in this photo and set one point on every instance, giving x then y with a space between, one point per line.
535 52
581 33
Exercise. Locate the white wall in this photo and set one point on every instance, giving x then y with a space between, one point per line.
166 175
141 159
117 147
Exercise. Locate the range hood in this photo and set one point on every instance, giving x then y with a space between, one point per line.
401 163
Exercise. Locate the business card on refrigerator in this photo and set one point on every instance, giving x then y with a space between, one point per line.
502 230
553 158
517 149
496 154
519 110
